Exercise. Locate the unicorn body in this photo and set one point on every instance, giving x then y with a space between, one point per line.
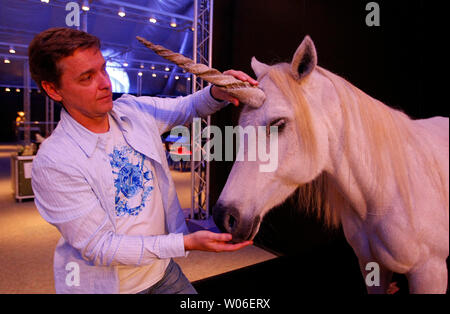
356 163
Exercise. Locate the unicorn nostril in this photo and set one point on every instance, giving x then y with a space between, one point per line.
226 218
231 223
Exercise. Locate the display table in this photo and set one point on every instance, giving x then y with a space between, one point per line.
21 176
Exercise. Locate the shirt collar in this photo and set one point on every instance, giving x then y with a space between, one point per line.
123 120
87 140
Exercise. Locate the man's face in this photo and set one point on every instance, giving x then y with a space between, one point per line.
85 88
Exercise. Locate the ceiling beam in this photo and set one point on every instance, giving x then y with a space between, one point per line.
145 9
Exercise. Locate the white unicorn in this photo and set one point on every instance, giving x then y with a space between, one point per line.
357 163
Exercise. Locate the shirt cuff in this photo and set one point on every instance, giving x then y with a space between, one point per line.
172 245
210 93
205 104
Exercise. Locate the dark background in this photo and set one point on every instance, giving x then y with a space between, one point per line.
396 63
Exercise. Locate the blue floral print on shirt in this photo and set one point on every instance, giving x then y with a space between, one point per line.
131 179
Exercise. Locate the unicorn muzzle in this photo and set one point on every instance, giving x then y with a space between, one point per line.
229 220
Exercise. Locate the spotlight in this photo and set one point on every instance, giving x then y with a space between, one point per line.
121 12
85 7
140 74
125 64
167 69
153 20
177 77
152 67
7 89
141 66
7 61
173 22
154 74
12 50
18 90
45 1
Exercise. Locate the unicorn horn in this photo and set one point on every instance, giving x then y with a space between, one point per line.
244 91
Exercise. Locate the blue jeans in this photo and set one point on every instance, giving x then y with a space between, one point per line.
173 282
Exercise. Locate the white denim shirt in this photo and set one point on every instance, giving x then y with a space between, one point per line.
74 191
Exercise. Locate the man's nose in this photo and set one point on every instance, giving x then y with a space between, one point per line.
104 81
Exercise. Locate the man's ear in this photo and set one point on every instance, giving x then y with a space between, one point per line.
51 91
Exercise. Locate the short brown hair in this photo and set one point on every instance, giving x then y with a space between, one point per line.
52 45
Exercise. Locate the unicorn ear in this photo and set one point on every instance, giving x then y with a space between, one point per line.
259 68
305 59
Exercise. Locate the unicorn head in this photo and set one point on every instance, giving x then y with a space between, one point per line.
293 91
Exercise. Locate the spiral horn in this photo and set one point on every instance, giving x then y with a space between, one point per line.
244 91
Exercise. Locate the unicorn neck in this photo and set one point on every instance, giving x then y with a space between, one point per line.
367 145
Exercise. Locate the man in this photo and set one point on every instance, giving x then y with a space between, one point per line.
102 177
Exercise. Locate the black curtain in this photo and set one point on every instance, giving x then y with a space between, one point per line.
395 62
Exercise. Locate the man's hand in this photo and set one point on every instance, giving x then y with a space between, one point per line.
212 242
220 94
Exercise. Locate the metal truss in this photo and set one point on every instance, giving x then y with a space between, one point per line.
203 21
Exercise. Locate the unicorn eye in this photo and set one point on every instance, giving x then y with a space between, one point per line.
280 123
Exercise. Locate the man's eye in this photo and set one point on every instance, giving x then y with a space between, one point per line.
86 78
